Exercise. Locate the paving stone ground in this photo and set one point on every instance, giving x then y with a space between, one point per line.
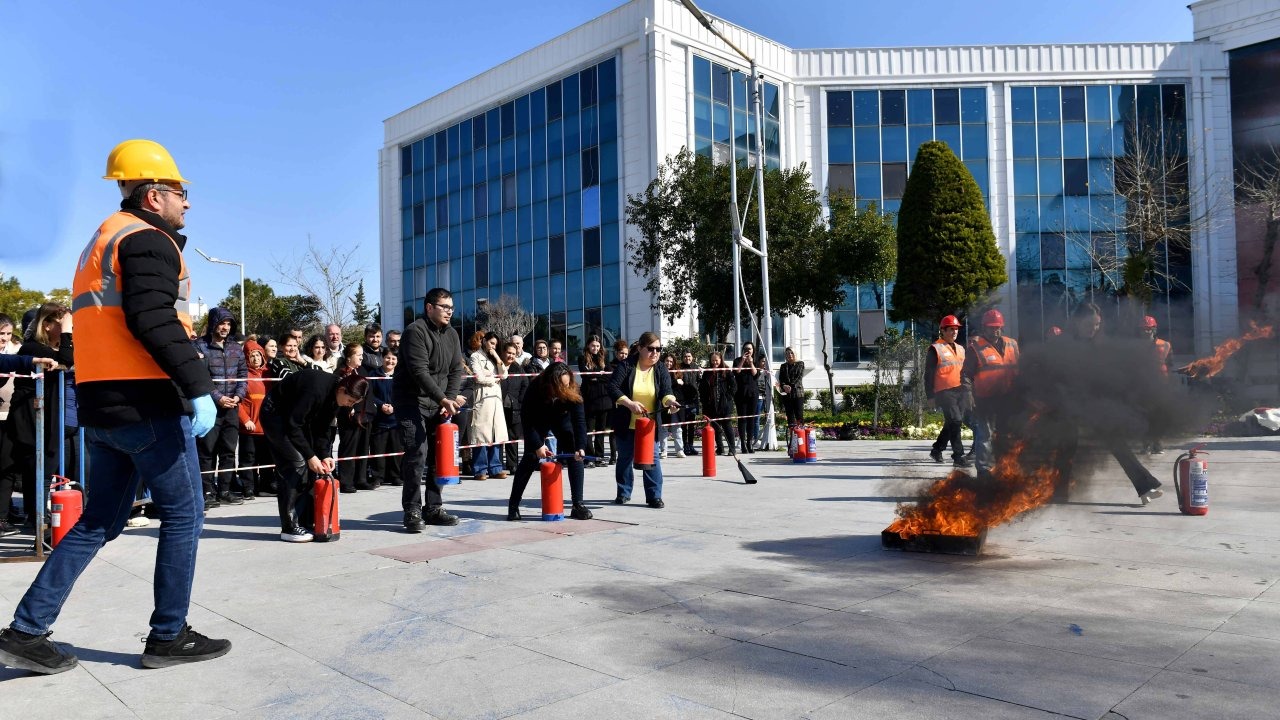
766 601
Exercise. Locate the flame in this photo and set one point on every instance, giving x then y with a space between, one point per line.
960 505
1208 367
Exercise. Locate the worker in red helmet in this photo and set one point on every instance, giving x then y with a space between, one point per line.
1162 351
990 362
944 385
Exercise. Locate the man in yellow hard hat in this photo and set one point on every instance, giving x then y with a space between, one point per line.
144 396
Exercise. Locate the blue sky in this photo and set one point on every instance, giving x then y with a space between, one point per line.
274 110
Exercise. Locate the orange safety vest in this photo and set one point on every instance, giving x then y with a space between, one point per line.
113 353
1163 348
950 363
995 371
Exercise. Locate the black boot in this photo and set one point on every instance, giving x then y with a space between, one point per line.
580 512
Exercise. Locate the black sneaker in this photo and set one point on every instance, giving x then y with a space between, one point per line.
580 512
211 501
656 504
962 462
621 499
413 521
936 455
228 498
6 529
34 652
440 517
190 646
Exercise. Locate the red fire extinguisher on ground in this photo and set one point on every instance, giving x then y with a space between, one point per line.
708 454
1191 481
65 507
447 472
799 444
325 504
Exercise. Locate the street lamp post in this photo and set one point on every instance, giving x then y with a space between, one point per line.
766 330
243 328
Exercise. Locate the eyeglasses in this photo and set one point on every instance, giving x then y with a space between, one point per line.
654 348
444 308
180 193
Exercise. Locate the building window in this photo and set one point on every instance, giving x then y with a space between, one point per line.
724 125
555 254
1075 177
508 192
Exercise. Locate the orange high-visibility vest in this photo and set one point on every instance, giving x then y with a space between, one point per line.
995 371
1163 348
950 363
111 351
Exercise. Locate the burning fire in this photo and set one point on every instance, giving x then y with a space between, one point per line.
1208 367
960 505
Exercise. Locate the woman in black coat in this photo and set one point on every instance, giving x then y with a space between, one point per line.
748 392
595 395
717 387
640 386
552 405
791 387
297 418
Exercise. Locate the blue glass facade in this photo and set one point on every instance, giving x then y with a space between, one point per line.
1069 221
872 139
522 200
720 93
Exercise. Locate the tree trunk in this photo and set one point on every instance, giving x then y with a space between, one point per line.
826 360
1263 271
875 417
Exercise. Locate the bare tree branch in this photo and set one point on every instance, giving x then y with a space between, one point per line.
505 317
1258 196
327 273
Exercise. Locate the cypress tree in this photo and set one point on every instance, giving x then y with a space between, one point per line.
947 255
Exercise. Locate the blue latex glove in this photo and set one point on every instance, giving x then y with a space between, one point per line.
205 416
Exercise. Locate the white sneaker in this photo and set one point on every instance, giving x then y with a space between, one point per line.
138 521
1151 494
296 535
679 453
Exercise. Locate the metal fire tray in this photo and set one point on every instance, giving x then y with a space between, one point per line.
935 543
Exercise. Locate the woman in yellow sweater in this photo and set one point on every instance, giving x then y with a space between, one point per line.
640 386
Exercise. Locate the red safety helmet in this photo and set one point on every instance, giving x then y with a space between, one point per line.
1148 323
950 321
992 318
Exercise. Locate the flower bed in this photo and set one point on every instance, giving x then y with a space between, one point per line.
862 430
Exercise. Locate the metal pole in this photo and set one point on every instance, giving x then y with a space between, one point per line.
244 330
737 221
62 423
757 86
38 520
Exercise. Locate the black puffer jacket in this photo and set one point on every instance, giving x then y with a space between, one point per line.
149 268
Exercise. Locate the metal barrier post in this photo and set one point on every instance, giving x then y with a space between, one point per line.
62 423
84 486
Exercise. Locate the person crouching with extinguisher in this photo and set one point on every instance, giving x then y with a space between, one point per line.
552 406
296 417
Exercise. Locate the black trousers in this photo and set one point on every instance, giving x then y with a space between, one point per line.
417 465
293 482
747 422
248 479
793 405
217 451
724 435
386 470
529 463
353 441
949 402
599 421
689 433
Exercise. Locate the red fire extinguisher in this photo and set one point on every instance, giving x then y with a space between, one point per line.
447 472
1191 481
325 504
798 446
708 456
646 429
811 444
552 490
66 506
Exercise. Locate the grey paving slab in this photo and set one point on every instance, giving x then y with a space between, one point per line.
1067 683
708 608
499 683
1239 658
909 696
626 701
629 646
1129 639
735 615
761 682
1190 696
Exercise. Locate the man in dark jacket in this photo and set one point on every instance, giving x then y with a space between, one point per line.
425 392
372 349
140 380
225 359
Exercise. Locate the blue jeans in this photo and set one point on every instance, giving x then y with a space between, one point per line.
625 474
162 452
486 460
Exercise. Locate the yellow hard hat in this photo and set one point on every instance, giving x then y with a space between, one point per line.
141 160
